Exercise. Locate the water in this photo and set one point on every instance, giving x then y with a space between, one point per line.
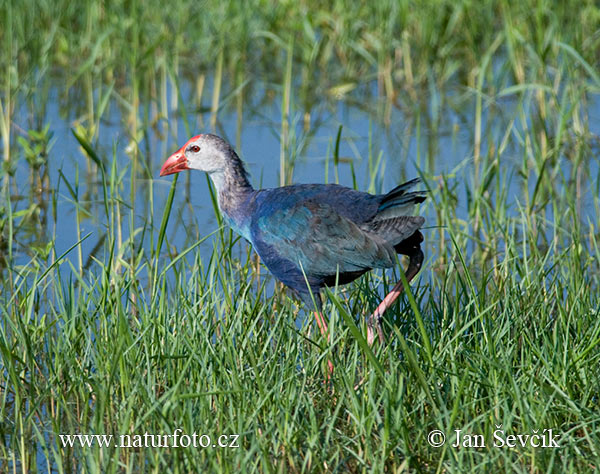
434 139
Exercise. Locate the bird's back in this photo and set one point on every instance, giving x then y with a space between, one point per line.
357 206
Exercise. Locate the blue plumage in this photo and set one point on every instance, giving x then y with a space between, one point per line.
320 231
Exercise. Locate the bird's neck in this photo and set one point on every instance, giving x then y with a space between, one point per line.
233 192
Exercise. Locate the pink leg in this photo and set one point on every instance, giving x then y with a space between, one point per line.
414 266
321 323
324 332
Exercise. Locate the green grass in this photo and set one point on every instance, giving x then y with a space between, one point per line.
501 328
207 352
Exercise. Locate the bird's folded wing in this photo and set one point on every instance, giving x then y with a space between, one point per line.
394 230
314 236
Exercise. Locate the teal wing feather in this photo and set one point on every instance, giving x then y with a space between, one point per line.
320 240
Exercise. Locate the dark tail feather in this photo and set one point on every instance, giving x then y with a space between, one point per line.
399 196
402 188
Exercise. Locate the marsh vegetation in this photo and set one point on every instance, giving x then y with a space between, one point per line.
127 307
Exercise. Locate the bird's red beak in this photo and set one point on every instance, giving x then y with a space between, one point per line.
175 163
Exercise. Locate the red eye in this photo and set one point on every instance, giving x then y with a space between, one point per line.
194 148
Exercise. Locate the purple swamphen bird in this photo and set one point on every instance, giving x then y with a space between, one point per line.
311 235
